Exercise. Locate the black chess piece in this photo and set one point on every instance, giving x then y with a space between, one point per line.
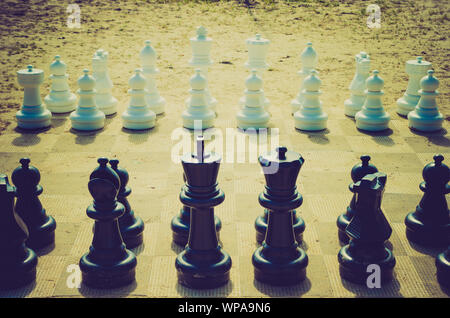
203 263
41 226
368 230
443 268
17 262
358 172
280 260
429 225
131 226
180 224
108 264
261 226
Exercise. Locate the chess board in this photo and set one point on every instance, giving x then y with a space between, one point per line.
66 158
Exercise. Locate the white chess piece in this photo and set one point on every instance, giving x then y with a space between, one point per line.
372 116
197 105
148 61
201 48
138 115
253 114
103 84
358 85
426 115
87 116
309 60
416 69
311 117
60 99
33 114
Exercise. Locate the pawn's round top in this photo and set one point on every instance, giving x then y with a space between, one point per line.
148 54
436 173
309 56
198 81
429 83
58 67
312 82
374 83
363 168
137 81
25 175
106 173
253 82
122 173
86 82
258 40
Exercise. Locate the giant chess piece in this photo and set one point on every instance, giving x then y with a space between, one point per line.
373 117
310 116
87 117
138 115
148 61
416 69
426 116
368 230
41 226
108 264
443 268
203 263
197 105
201 48
280 260
131 226
429 225
60 99
309 62
358 172
358 85
253 114
33 114
103 84
17 262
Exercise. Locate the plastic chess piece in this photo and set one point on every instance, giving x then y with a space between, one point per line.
33 114
280 260
203 263
154 101
17 262
108 264
368 230
103 84
197 105
429 224
358 85
309 60
443 268
60 99
131 226
138 115
416 69
372 117
87 117
310 116
253 114
41 226
426 116
358 172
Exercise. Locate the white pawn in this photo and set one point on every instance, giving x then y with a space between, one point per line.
311 117
426 116
309 60
33 114
253 114
138 114
372 117
416 69
60 100
358 85
148 61
103 84
197 105
87 116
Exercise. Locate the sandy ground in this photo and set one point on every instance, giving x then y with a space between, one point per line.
34 32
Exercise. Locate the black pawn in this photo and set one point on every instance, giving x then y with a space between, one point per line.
280 260
368 230
429 225
28 206
108 264
131 226
203 263
443 268
358 172
17 262
180 224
